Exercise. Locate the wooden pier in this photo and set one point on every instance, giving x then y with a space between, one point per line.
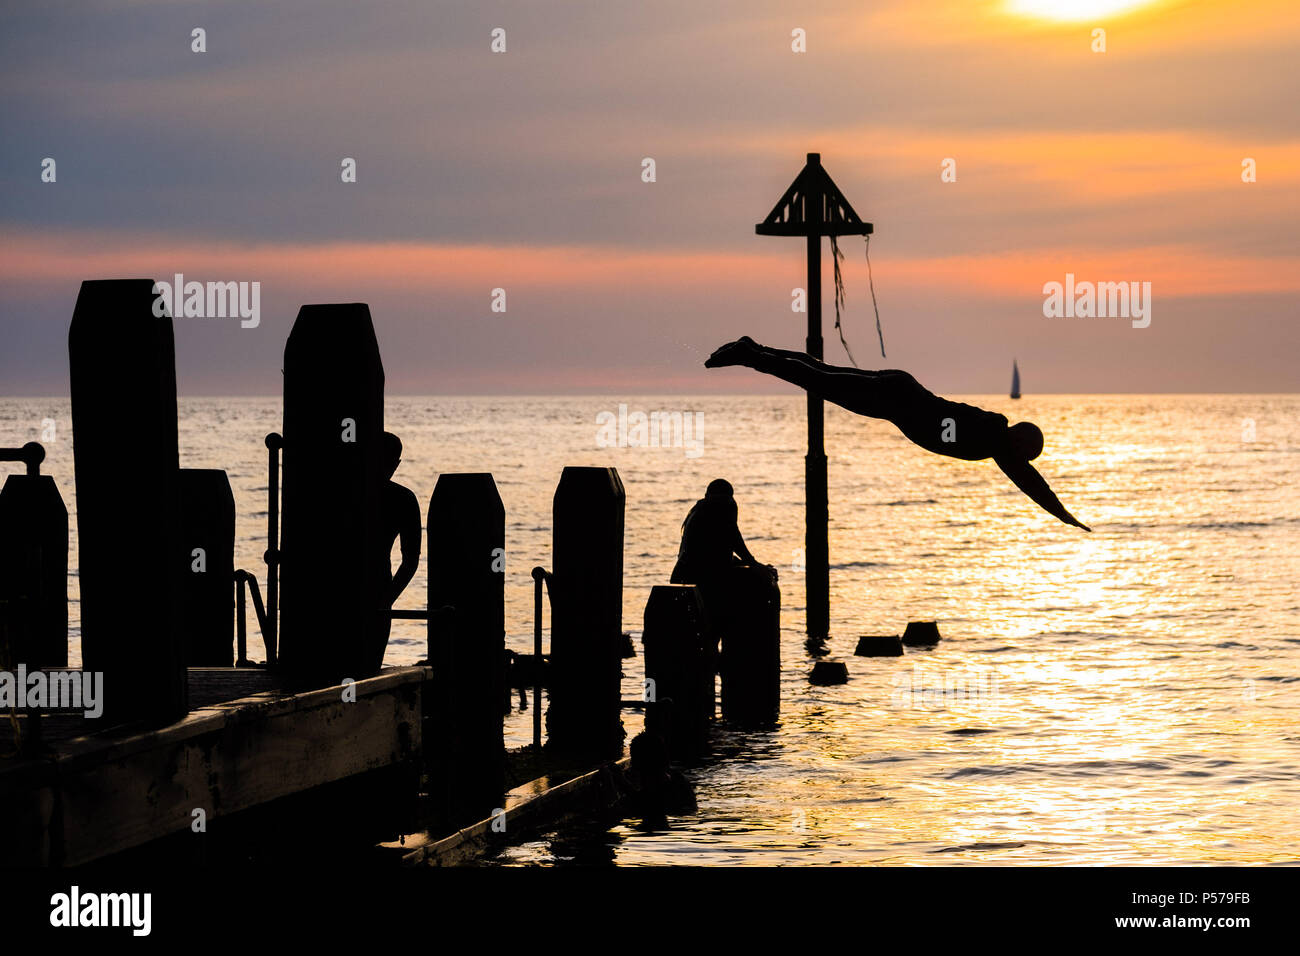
187 760
245 743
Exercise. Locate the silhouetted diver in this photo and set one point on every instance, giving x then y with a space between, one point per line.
934 423
711 538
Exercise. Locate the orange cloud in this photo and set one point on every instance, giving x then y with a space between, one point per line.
1093 165
345 268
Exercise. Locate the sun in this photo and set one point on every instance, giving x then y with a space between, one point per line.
1073 9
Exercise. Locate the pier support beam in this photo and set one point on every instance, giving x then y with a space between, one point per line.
680 660
751 646
123 378
208 542
333 559
587 614
34 565
466 567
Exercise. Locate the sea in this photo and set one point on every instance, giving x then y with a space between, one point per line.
1129 696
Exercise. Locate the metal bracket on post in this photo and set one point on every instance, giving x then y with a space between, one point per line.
245 580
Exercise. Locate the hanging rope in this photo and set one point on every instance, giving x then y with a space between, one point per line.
837 256
872 283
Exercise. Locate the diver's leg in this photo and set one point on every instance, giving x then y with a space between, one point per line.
861 391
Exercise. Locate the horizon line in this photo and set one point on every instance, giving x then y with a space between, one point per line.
604 394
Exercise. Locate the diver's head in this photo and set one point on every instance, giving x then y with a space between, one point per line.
1025 440
392 452
719 488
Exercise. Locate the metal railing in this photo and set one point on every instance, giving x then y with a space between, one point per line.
270 622
244 582
541 578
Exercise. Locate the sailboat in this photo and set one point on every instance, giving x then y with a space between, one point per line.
1015 379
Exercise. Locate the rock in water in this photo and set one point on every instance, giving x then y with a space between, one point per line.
825 673
921 634
879 645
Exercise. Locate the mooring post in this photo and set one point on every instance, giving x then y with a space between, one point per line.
123 386
34 561
333 559
679 665
751 647
587 614
466 569
208 541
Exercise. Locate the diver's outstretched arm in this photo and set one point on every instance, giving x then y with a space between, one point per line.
1029 481
858 390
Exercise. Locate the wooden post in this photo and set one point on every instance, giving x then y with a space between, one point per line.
208 540
466 567
34 564
679 661
334 562
123 378
816 507
587 614
751 646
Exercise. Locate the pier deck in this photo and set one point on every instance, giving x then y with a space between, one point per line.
244 743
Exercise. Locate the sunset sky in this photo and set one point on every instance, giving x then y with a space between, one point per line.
523 170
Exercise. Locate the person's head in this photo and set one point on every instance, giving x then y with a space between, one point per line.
719 488
392 450
1025 440
718 502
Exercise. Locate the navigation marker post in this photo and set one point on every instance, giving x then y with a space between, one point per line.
813 207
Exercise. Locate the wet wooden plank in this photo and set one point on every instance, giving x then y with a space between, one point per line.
529 807
116 792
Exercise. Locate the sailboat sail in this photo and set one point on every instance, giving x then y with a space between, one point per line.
1015 379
